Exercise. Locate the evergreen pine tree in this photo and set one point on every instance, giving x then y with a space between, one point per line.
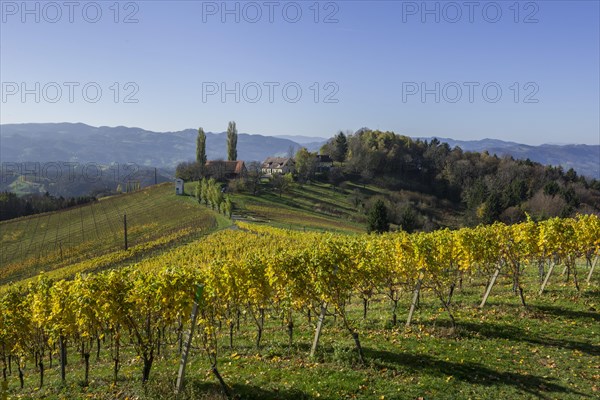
377 220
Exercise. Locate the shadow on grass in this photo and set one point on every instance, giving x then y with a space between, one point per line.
363 189
549 310
594 294
275 198
469 372
198 389
561 312
510 332
255 392
309 193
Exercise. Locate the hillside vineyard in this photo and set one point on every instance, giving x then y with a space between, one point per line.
258 270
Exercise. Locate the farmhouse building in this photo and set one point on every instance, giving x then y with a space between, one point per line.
278 165
323 162
219 169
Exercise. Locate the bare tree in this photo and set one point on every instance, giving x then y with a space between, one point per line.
282 183
252 179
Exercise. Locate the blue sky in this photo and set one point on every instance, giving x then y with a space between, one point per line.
525 72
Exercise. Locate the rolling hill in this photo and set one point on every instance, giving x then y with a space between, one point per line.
81 143
93 234
106 145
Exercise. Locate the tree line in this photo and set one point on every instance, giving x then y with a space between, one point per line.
13 206
489 188
196 170
210 192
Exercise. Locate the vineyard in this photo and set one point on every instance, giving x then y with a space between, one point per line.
286 314
311 207
54 240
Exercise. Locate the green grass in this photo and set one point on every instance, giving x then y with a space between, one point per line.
54 240
550 350
315 207
324 207
308 207
319 206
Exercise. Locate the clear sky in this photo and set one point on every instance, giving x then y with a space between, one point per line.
520 71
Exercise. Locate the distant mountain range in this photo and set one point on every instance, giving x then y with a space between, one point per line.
303 139
77 142
105 145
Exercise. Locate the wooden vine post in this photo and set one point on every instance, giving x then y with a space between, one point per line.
4 390
320 321
415 299
489 287
552 264
125 229
188 342
589 277
313 349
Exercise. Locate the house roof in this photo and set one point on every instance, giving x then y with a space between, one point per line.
277 162
228 167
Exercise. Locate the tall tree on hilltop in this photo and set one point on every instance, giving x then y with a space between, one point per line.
339 148
201 149
232 141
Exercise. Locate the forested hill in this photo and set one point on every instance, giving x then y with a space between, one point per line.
490 187
585 159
